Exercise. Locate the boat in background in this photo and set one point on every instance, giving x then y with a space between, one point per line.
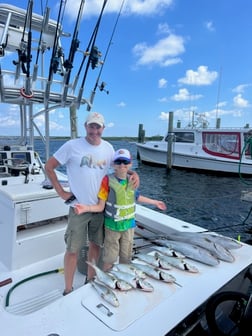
33 222
217 150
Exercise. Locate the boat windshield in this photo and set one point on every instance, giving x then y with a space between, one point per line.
225 144
187 137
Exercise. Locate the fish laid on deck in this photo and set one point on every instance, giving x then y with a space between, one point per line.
153 260
191 251
156 273
109 280
106 293
227 242
130 268
168 251
133 280
178 263
216 249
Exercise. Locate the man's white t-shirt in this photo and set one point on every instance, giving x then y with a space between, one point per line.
86 165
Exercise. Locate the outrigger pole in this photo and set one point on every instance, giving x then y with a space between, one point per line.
68 64
94 54
102 85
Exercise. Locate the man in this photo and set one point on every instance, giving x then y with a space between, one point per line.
87 161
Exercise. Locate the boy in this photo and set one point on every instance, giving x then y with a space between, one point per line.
117 198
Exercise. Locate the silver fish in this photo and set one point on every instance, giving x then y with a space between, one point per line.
133 280
144 285
129 268
156 273
127 277
168 251
104 277
109 280
106 293
191 251
153 260
203 241
226 242
179 263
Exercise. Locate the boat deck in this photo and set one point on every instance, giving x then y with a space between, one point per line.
166 304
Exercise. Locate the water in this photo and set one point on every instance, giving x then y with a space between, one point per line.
213 202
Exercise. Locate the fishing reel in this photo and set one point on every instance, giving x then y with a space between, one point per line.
95 56
102 87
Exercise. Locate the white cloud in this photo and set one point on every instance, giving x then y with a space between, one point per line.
110 125
137 7
121 104
200 77
241 88
184 95
240 102
163 100
209 25
165 52
162 83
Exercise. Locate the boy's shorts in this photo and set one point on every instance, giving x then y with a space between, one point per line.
118 244
83 228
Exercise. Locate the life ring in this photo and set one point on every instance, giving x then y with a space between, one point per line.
25 95
235 319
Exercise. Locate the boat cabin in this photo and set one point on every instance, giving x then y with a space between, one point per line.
226 144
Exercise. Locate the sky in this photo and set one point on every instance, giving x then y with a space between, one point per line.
189 57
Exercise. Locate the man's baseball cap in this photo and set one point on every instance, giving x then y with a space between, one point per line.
95 118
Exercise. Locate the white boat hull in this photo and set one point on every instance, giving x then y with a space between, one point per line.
194 159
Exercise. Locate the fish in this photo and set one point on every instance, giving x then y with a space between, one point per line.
133 280
156 273
127 277
179 263
191 251
106 293
227 242
168 251
103 277
153 260
108 279
129 268
203 241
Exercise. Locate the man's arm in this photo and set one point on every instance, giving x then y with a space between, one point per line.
50 167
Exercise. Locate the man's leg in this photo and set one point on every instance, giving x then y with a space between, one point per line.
70 262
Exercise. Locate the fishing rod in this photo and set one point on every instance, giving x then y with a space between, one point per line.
24 52
102 85
26 91
85 54
68 64
56 52
94 55
41 46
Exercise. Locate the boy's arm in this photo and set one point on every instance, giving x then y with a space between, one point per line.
159 204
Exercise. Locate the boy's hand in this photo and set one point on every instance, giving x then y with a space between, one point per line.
161 205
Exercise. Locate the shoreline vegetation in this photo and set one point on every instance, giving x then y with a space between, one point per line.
129 139
123 138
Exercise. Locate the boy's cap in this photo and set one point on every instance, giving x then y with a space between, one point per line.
95 118
122 154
